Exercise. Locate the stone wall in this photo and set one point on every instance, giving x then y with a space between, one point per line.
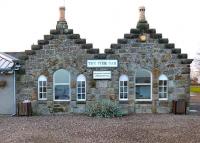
64 50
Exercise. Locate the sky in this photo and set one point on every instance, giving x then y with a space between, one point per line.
101 22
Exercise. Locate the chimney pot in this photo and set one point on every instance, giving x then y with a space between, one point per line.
142 13
62 13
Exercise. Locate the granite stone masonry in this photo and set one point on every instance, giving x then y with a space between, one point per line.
149 74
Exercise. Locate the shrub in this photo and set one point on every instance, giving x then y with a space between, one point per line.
104 109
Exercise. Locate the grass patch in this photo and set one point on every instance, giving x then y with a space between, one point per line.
195 89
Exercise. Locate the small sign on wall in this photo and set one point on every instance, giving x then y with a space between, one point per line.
102 63
101 74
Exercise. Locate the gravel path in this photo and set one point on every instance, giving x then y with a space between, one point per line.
138 128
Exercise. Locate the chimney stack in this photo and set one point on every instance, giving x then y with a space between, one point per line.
142 13
62 13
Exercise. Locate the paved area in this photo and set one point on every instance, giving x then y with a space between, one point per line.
139 128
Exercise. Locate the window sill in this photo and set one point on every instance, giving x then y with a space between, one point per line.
143 102
163 99
139 100
123 102
81 102
61 100
44 99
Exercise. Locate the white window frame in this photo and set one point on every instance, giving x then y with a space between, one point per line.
42 79
54 84
123 78
144 84
163 78
81 78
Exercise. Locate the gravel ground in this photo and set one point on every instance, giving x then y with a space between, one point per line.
137 128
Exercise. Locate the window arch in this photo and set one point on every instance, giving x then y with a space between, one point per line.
163 87
61 80
123 87
42 87
81 88
143 85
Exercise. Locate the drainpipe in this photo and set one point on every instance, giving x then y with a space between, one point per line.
14 92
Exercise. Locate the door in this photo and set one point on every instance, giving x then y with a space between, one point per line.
7 99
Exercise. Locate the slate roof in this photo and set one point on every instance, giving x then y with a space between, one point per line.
8 63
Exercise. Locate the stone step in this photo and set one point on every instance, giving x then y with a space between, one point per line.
122 41
156 36
58 109
56 105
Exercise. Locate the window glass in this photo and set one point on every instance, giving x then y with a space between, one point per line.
143 91
143 76
42 87
143 85
81 87
163 87
62 85
61 76
62 92
123 87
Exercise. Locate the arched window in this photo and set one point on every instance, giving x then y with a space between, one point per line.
143 85
123 87
163 87
61 80
81 88
42 88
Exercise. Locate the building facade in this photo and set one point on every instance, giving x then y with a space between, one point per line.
142 72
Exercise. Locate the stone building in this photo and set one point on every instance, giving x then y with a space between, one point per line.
142 72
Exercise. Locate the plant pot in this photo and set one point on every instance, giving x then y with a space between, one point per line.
2 83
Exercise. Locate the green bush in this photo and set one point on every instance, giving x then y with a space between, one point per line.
195 89
104 109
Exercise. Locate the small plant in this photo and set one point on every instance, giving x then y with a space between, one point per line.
93 83
104 109
3 83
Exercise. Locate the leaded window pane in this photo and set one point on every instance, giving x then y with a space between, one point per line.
79 84
125 83
40 83
125 89
79 96
40 89
161 95
121 95
160 89
44 89
83 83
121 89
79 90
83 96
44 95
40 95
44 83
125 95
165 89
